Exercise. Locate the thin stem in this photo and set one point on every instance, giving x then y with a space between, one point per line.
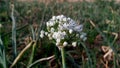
32 55
13 31
33 32
63 57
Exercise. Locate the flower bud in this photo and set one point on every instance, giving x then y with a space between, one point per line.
65 44
70 31
74 44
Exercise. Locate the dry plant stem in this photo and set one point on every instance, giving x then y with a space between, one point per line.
63 57
13 30
40 60
21 53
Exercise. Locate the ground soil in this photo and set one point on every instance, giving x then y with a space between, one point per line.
48 1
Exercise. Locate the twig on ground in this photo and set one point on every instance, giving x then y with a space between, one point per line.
40 60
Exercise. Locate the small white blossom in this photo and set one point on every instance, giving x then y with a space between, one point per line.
53 18
52 30
58 40
49 36
57 44
64 19
46 33
42 32
47 24
74 44
64 33
78 28
70 31
65 26
68 18
51 23
41 35
65 44
58 17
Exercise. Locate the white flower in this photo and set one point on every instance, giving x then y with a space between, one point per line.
72 23
65 44
57 43
58 40
61 17
49 36
74 44
46 33
64 33
60 26
42 32
52 30
68 18
65 26
58 17
64 19
70 31
58 35
54 35
41 35
51 23
54 18
78 28
47 24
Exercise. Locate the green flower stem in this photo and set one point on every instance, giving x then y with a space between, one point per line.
63 57
32 55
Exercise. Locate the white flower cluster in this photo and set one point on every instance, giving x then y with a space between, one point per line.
64 31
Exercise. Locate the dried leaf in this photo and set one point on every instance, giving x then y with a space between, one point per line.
108 52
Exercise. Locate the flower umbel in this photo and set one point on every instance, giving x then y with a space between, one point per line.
64 30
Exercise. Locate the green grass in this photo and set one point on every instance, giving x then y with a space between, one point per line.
105 15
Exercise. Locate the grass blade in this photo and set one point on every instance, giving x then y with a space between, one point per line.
2 54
